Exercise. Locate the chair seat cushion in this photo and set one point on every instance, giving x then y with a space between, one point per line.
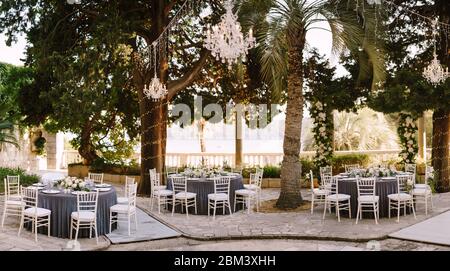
400 197
338 197
368 198
83 216
218 196
17 203
185 195
245 192
421 186
15 197
421 192
121 208
251 186
163 192
159 187
122 200
38 212
320 192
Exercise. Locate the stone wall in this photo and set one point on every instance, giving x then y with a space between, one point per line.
23 157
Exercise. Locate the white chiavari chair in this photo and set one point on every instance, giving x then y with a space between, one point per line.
128 181
367 198
86 215
97 178
402 198
181 196
124 213
422 192
39 217
159 193
12 205
351 167
335 199
318 194
221 195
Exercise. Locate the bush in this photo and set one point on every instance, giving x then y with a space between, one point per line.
338 161
101 165
25 179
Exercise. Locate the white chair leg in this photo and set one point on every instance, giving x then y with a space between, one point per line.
4 215
95 231
358 212
214 211
77 229
234 203
21 224
173 205
129 224
187 210
398 211
389 213
350 210
49 225
414 212
324 209
229 207
375 213
35 229
71 228
337 211
135 221
195 204
312 203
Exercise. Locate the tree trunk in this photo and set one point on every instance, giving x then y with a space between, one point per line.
238 142
86 150
290 196
422 137
441 148
153 114
201 135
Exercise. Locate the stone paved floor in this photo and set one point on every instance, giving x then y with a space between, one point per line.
290 225
10 241
183 244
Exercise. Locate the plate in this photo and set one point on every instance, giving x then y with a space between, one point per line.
38 184
52 191
103 189
103 185
77 192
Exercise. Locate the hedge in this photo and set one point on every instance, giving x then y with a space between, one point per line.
25 179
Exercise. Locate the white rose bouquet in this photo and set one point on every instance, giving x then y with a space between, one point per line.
73 183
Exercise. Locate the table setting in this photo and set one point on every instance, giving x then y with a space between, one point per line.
200 181
385 184
61 198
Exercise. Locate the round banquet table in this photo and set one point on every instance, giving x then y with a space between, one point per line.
383 187
204 186
62 205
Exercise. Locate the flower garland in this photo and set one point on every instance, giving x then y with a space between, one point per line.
407 132
323 133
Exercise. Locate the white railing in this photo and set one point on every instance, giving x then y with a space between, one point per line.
261 159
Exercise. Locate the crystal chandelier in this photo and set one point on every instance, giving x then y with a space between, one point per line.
226 41
155 90
435 73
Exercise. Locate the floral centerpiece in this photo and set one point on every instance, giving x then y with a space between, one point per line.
202 172
73 183
373 172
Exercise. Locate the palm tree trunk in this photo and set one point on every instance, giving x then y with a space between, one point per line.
290 196
238 141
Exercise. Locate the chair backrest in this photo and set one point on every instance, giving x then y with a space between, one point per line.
351 167
154 181
179 184
128 182
152 172
326 170
311 179
222 185
30 197
237 170
366 186
96 177
327 183
253 178
131 195
87 201
402 183
411 168
12 185
428 173
260 172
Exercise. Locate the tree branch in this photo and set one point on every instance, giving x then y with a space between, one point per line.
174 87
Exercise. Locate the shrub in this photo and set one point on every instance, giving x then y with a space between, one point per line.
101 165
25 179
338 161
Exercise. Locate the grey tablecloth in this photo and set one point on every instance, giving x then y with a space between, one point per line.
62 205
203 187
382 189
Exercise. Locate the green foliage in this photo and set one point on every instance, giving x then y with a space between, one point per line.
39 143
339 161
25 179
102 165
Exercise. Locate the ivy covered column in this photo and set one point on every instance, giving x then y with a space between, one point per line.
323 133
407 132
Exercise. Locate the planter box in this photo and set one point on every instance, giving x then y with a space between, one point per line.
81 171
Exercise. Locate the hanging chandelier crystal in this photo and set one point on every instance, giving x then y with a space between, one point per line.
226 41
155 90
435 73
